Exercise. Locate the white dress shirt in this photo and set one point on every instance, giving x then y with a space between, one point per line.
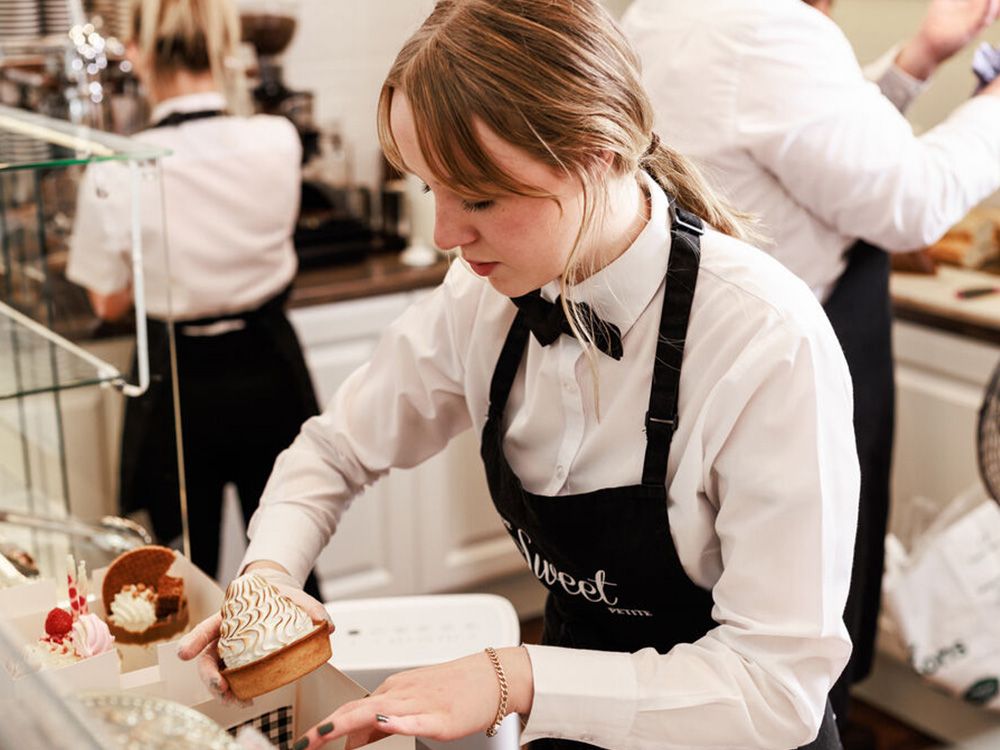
762 480
231 190
768 96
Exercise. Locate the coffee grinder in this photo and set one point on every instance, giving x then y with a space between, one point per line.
268 26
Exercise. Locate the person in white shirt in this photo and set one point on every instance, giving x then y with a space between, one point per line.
769 99
231 195
665 412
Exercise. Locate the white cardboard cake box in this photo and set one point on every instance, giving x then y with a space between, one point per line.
36 594
313 697
155 670
25 607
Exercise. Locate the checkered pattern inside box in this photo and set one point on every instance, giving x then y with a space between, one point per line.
277 725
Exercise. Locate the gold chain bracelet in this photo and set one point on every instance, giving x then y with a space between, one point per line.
504 691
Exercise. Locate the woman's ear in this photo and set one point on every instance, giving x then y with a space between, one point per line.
134 55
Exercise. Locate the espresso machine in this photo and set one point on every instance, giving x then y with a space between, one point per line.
268 27
339 221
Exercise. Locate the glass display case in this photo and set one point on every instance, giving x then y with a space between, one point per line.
35 716
64 373
40 713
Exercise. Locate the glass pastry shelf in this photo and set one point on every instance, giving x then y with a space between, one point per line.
33 359
38 526
32 141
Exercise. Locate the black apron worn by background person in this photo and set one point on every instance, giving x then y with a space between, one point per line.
244 394
860 312
607 557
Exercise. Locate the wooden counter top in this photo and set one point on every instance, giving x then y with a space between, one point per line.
376 274
932 300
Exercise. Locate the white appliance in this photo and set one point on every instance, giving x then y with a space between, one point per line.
375 638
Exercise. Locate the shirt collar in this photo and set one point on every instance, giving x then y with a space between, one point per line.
623 289
188 103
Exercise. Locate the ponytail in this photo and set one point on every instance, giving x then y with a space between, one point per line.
682 180
186 35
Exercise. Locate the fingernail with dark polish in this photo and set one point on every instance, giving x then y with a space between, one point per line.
381 718
301 744
325 729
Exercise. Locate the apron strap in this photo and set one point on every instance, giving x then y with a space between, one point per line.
177 118
661 417
507 364
678 294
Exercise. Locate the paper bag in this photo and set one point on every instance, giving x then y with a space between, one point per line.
943 596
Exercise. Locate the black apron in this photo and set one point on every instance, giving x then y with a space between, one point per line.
860 312
244 395
259 370
607 557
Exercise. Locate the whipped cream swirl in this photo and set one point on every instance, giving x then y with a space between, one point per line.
257 620
133 610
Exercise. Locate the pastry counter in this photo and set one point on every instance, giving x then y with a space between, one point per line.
934 301
945 350
376 274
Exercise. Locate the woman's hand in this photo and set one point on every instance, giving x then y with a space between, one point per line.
948 27
203 642
442 702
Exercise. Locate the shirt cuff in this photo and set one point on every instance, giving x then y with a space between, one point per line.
291 547
590 696
896 85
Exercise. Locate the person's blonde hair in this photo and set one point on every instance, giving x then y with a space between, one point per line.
186 35
556 79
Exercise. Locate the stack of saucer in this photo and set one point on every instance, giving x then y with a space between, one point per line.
114 15
19 19
56 15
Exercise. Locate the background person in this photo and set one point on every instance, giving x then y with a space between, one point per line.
231 192
768 96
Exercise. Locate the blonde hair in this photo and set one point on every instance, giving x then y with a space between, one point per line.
186 35
556 79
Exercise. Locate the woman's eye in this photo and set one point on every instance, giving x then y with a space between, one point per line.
477 205
471 206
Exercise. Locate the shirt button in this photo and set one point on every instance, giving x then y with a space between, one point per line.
560 472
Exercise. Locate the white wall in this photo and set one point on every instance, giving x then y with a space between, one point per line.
875 25
342 51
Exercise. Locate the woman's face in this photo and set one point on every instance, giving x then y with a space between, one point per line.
518 243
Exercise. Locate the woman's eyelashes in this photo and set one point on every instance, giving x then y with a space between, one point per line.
470 206
476 206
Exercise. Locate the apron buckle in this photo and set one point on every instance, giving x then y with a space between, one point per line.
669 423
688 221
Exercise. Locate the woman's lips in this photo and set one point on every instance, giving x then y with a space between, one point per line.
483 269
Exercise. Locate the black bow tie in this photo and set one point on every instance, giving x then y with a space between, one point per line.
547 322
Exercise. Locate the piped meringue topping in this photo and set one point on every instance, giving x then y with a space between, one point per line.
257 620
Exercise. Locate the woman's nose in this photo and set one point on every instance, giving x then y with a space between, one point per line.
452 227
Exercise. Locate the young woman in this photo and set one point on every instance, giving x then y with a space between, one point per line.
665 412
231 188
